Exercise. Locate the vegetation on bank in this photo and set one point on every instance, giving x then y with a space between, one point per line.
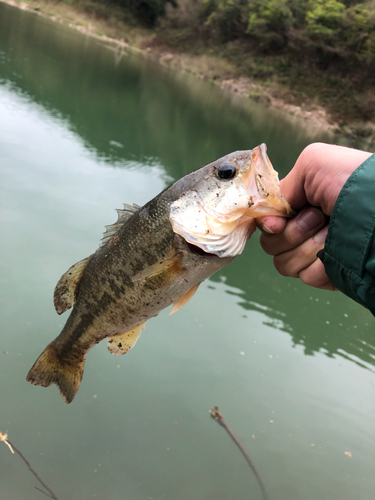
308 53
322 49
327 30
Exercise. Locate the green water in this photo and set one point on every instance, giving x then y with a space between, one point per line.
82 130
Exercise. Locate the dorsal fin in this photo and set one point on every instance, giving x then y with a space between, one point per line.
123 215
64 295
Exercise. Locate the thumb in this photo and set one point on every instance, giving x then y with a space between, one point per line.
292 186
319 174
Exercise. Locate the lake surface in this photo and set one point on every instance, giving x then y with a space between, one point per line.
84 129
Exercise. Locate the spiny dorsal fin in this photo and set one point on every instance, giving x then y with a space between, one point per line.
123 215
64 295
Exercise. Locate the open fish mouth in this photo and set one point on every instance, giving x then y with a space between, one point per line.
262 184
218 214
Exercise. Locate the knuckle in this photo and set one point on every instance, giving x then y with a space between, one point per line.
268 244
294 235
303 253
309 158
314 275
311 150
307 279
280 266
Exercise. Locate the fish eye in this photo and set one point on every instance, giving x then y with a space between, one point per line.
226 171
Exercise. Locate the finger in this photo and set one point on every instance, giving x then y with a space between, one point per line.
292 262
271 225
297 230
315 275
329 286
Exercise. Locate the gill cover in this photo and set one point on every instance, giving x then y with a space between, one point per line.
218 213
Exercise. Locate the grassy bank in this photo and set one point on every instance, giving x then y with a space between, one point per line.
339 103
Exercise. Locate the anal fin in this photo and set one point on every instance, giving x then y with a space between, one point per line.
184 299
122 343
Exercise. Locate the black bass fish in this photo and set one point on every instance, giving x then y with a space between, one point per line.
155 256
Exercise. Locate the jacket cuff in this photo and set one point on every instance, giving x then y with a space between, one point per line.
349 249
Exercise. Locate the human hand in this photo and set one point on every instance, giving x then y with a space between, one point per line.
312 187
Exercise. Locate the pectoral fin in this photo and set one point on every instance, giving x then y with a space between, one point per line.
169 267
121 344
184 299
64 295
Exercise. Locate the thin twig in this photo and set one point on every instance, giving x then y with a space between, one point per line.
216 415
44 493
4 438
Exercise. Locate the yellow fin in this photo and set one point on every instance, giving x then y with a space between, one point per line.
184 299
49 369
121 344
170 266
64 295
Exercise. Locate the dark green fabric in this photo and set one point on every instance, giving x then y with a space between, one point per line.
349 258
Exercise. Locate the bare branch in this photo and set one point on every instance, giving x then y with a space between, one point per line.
216 415
4 438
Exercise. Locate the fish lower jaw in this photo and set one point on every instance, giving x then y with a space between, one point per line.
222 245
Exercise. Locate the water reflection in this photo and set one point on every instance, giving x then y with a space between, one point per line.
320 321
134 103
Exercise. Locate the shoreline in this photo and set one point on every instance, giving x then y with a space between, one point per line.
205 67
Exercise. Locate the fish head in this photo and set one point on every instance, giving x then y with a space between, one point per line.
217 211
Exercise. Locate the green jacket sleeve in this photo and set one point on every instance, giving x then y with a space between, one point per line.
349 257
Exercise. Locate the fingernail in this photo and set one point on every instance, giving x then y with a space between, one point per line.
320 237
309 219
267 229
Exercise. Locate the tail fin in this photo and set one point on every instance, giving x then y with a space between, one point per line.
48 369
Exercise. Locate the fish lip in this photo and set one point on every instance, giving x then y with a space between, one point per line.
262 184
263 153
